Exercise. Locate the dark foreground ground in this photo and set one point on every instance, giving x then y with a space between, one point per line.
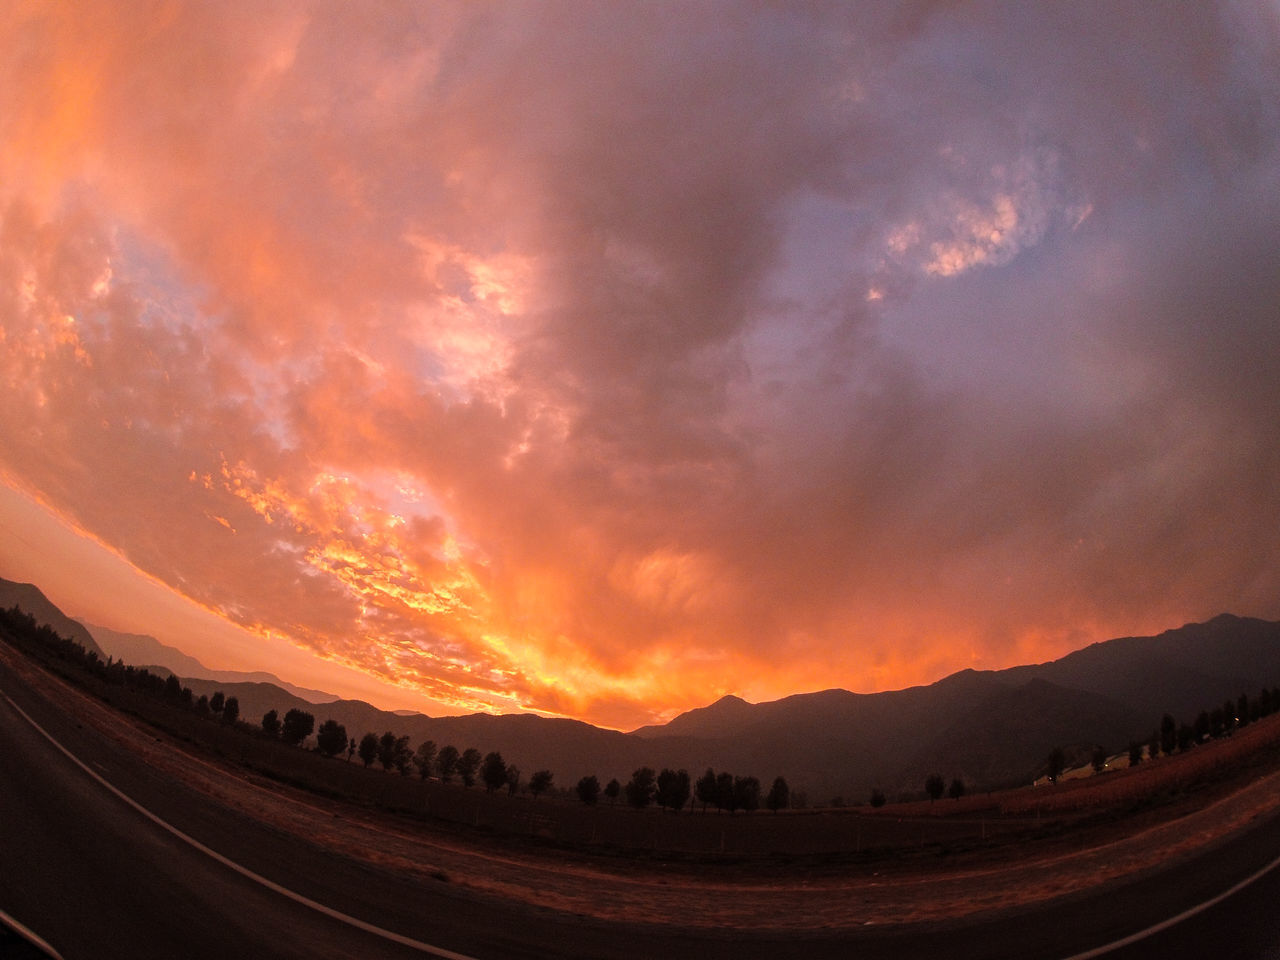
98 876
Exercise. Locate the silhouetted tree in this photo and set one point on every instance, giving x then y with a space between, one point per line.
331 738
424 758
513 779
351 749
394 752
705 789
202 705
1203 725
746 793
297 726
468 764
1135 753
540 782
368 749
589 790
216 702
1168 734
447 762
640 787
172 687
1243 715
934 785
1217 723
956 790
387 749
1099 758
1186 737
724 792
404 756
673 789
493 771
877 798
612 789
1153 745
779 795
230 710
271 725
1057 764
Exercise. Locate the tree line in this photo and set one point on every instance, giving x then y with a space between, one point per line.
1174 737
668 789
672 790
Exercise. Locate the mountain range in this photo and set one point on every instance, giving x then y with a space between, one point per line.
989 728
142 650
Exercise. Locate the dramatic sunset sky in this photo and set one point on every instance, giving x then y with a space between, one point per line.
600 359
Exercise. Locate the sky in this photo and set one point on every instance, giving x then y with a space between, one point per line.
599 360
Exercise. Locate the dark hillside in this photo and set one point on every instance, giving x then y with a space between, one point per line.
993 742
28 597
1179 671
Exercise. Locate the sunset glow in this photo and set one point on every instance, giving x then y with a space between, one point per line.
603 359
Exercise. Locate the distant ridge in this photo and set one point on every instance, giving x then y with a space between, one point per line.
989 728
141 649
720 719
1169 672
992 727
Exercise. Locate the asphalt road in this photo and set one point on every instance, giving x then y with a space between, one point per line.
97 878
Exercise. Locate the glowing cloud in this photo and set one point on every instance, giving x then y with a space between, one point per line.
600 360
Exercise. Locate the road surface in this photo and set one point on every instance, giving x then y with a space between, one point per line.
97 877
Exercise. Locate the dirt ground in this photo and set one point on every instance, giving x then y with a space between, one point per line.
780 895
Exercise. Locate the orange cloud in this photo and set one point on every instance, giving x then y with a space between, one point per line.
599 362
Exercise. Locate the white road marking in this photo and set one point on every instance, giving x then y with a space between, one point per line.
1184 915
244 871
22 931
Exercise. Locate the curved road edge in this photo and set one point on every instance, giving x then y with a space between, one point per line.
1162 926
31 938
271 885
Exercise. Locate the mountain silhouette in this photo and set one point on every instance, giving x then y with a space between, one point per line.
719 719
28 597
989 728
143 650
